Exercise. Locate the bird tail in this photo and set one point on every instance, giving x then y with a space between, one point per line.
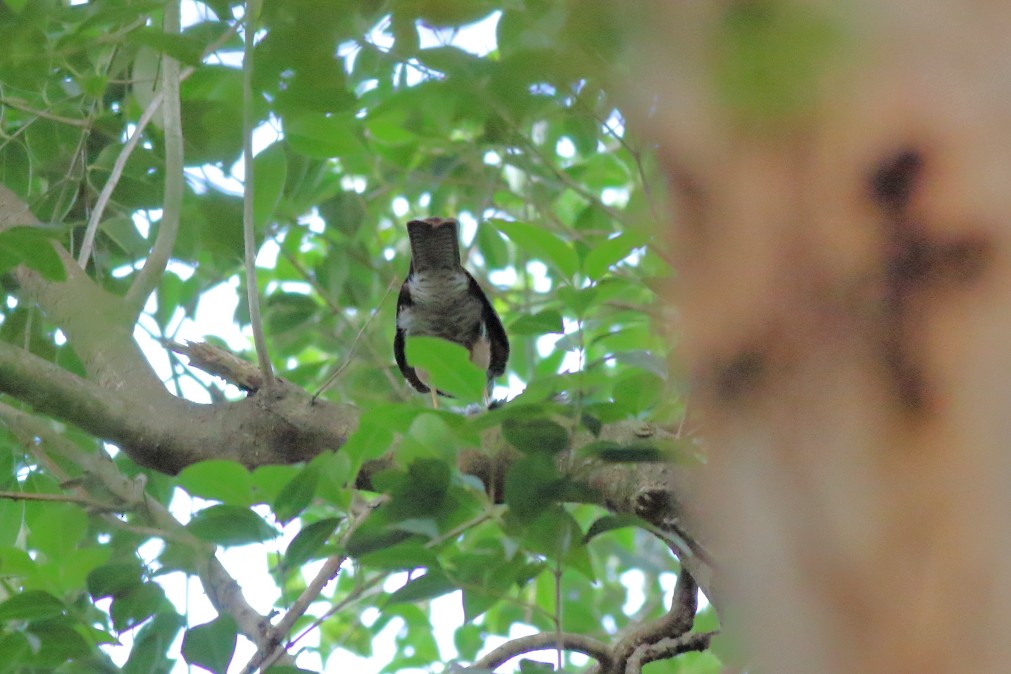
435 244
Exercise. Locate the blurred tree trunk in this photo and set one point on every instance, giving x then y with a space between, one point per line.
843 177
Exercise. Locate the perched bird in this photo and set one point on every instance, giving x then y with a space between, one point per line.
439 298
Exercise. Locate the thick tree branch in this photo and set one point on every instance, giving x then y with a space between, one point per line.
549 640
168 433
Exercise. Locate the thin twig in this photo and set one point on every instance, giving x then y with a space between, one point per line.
220 587
335 311
668 648
150 275
539 642
21 105
354 595
266 656
354 344
60 498
248 226
117 172
124 155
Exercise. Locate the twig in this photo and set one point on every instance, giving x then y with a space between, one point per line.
117 172
60 498
220 363
150 275
334 310
248 228
539 642
353 596
354 344
668 648
124 155
19 104
220 587
673 625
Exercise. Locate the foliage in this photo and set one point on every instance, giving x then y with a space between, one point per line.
525 141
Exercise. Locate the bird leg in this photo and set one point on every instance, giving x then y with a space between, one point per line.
435 397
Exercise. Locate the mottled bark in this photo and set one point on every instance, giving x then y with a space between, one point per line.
845 283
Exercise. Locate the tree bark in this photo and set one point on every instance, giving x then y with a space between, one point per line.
845 284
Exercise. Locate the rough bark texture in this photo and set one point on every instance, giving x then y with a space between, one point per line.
845 282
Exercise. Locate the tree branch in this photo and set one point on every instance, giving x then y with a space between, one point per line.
668 648
672 626
270 653
168 433
124 154
548 640
124 401
220 587
249 186
149 277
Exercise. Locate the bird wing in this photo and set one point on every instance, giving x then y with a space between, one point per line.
400 341
498 341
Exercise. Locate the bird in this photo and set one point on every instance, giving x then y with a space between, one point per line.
439 298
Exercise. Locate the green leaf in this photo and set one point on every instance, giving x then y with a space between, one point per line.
211 645
476 602
218 480
297 494
432 584
536 435
421 491
18 653
369 441
110 580
123 232
183 48
230 525
579 300
544 322
12 517
369 540
16 5
309 541
33 247
335 475
268 481
602 255
493 248
448 366
58 641
541 243
429 437
131 608
322 137
31 605
531 485
637 392
152 642
57 529
270 170
609 523
640 452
